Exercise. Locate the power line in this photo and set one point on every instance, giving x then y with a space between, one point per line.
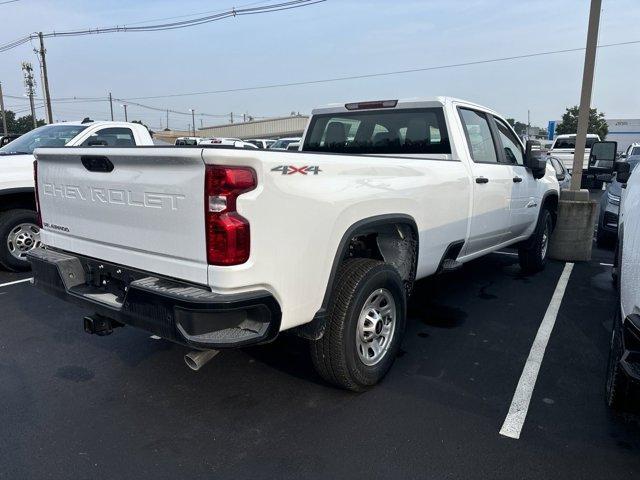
233 12
381 74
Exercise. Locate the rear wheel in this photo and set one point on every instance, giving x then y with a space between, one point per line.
617 388
366 323
604 239
19 233
533 253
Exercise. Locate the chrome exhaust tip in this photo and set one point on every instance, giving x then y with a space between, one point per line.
196 359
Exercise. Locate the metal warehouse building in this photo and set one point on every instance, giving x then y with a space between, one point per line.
270 128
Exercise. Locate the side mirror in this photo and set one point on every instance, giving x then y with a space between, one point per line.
561 177
533 159
602 157
623 171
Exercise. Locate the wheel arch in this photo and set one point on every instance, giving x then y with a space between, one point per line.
13 198
550 201
392 238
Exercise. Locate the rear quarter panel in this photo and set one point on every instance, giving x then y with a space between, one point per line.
297 221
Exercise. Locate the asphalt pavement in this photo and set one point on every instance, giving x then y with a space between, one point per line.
125 406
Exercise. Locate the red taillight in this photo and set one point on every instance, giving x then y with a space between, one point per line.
35 181
228 233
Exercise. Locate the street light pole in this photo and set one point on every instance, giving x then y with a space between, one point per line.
125 112
572 239
193 120
585 97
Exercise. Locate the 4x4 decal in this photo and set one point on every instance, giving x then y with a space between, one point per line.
291 169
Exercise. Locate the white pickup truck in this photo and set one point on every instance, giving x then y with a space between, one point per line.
19 231
215 248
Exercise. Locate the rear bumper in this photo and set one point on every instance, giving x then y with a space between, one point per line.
175 310
630 360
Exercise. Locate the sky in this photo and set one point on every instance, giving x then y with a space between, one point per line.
331 39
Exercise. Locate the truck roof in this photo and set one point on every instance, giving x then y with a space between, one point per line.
426 102
570 135
96 122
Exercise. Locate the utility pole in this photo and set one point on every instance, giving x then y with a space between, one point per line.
585 96
528 124
572 239
201 123
45 80
111 105
125 112
193 120
231 117
30 84
167 119
4 114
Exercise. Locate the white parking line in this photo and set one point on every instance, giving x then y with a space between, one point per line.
16 282
512 425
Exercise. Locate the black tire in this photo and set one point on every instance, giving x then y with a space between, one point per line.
615 270
604 239
335 355
533 253
617 387
9 220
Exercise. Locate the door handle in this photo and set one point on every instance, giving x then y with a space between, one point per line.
482 180
517 179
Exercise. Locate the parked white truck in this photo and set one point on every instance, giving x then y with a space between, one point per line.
19 231
216 248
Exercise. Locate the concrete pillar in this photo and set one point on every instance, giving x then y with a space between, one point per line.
572 238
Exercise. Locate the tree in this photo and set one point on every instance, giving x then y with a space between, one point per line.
25 124
519 127
569 123
20 125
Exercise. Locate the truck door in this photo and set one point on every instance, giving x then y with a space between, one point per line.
492 185
524 206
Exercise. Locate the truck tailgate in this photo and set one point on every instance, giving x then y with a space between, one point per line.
138 207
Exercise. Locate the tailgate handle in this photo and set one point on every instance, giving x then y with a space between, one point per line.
96 163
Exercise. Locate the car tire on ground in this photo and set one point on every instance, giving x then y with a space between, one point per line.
615 270
617 387
604 239
365 325
533 253
19 233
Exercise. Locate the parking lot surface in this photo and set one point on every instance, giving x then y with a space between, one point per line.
125 406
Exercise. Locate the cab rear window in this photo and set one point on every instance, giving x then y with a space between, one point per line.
400 131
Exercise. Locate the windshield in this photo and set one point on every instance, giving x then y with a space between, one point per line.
634 151
45 136
283 143
571 142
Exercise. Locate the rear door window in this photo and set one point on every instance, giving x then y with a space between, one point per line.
399 131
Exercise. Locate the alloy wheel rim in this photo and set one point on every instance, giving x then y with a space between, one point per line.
376 327
23 238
